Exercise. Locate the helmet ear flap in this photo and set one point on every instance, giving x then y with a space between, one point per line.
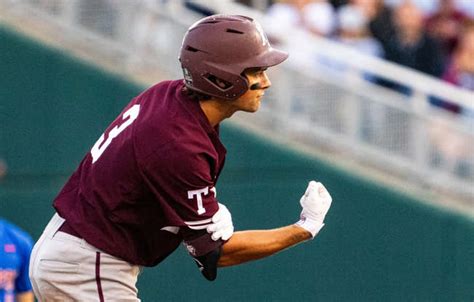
229 85
221 84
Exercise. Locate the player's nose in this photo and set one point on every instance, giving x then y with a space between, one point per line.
265 81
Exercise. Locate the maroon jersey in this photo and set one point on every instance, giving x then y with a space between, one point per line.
149 181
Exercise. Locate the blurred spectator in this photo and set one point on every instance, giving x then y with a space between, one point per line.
411 46
338 3
319 17
445 24
380 18
427 7
460 69
454 150
353 30
15 249
316 16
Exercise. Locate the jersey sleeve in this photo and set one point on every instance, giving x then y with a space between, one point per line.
182 178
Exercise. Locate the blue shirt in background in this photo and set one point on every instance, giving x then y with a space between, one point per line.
15 249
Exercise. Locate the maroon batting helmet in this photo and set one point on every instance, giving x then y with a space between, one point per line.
217 49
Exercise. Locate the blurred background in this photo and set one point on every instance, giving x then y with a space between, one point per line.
376 101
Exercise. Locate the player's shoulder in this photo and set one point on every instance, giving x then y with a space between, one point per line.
15 233
163 88
169 120
162 103
164 84
184 159
186 152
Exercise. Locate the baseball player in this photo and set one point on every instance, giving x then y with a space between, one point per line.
15 249
149 182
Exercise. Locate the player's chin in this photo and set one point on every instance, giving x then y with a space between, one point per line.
251 105
252 109
254 106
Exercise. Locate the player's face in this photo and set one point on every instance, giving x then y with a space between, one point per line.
258 82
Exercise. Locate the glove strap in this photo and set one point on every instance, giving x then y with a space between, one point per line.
310 225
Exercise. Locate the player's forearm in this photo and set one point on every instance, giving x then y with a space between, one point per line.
246 246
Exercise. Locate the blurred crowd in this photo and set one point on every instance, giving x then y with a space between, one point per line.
435 37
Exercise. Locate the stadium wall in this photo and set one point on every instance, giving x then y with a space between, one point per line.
377 245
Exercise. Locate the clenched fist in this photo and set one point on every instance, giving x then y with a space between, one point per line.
315 202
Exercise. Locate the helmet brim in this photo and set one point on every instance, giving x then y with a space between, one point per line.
275 57
269 58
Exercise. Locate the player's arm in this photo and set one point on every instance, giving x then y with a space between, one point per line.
251 245
246 246
183 174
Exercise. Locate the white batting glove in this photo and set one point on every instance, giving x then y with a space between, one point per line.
316 202
222 226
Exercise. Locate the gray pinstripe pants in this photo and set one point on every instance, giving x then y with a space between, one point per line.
67 268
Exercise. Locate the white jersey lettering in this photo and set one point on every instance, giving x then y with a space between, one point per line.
100 146
198 193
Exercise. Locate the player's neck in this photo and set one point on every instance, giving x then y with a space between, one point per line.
217 110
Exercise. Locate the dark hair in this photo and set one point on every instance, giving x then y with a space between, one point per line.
195 95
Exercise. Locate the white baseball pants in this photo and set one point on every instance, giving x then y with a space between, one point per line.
66 268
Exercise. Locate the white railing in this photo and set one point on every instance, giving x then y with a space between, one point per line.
311 102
